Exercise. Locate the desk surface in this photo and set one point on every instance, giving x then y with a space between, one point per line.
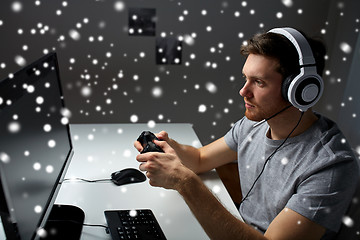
101 149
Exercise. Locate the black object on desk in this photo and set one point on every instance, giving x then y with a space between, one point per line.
127 176
64 222
133 224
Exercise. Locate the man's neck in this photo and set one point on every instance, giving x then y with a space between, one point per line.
282 125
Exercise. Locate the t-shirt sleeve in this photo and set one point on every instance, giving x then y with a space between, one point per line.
317 199
232 136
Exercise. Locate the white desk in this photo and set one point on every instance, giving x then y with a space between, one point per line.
101 149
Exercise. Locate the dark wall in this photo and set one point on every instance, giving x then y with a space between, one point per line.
111 76
341 100
350 105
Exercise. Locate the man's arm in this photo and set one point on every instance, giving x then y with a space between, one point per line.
289 224
215 155
217 221
201 159
167 170
220 224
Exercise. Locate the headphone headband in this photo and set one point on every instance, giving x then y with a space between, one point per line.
301 44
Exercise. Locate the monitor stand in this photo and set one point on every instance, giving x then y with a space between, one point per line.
64 222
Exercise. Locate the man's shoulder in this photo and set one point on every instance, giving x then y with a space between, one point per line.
332 138
240 131
326 147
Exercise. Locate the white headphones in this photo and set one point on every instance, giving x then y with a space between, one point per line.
305 89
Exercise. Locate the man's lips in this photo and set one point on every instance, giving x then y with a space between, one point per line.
248 105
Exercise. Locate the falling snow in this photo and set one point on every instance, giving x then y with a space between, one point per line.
4 157
41 232
284 161
202 108
345 47
348 221
109 76
14 127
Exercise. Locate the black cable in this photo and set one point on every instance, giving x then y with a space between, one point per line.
79 223
274 115
270 156
282 110
94 225
86 180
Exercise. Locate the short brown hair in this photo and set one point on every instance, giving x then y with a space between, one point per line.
279 47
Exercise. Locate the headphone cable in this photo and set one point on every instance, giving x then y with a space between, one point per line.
270 156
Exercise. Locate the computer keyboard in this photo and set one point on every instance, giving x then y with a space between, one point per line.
133 224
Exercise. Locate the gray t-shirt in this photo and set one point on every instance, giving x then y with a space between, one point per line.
314 174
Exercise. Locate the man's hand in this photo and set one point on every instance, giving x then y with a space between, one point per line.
163 136
163 169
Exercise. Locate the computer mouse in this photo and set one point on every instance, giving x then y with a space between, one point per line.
127 176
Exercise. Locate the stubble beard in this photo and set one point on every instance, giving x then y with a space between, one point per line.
259 114
255 115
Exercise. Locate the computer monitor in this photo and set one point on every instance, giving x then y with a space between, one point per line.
35 147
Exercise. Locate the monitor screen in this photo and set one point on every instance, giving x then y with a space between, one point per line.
35 146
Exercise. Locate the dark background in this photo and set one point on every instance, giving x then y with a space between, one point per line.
109 75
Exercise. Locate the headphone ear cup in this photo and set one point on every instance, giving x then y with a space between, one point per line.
285 86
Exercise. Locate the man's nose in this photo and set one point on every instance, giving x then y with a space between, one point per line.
245 91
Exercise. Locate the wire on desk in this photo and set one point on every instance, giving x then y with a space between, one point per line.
94 225
83 224
86 180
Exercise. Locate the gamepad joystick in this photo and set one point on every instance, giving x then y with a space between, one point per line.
146 139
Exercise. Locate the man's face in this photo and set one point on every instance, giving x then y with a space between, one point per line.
262 88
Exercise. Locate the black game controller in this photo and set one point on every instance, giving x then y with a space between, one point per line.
146 139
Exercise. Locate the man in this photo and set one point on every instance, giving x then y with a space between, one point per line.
297 176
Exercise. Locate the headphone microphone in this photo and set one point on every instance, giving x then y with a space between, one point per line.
305 89
266 119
